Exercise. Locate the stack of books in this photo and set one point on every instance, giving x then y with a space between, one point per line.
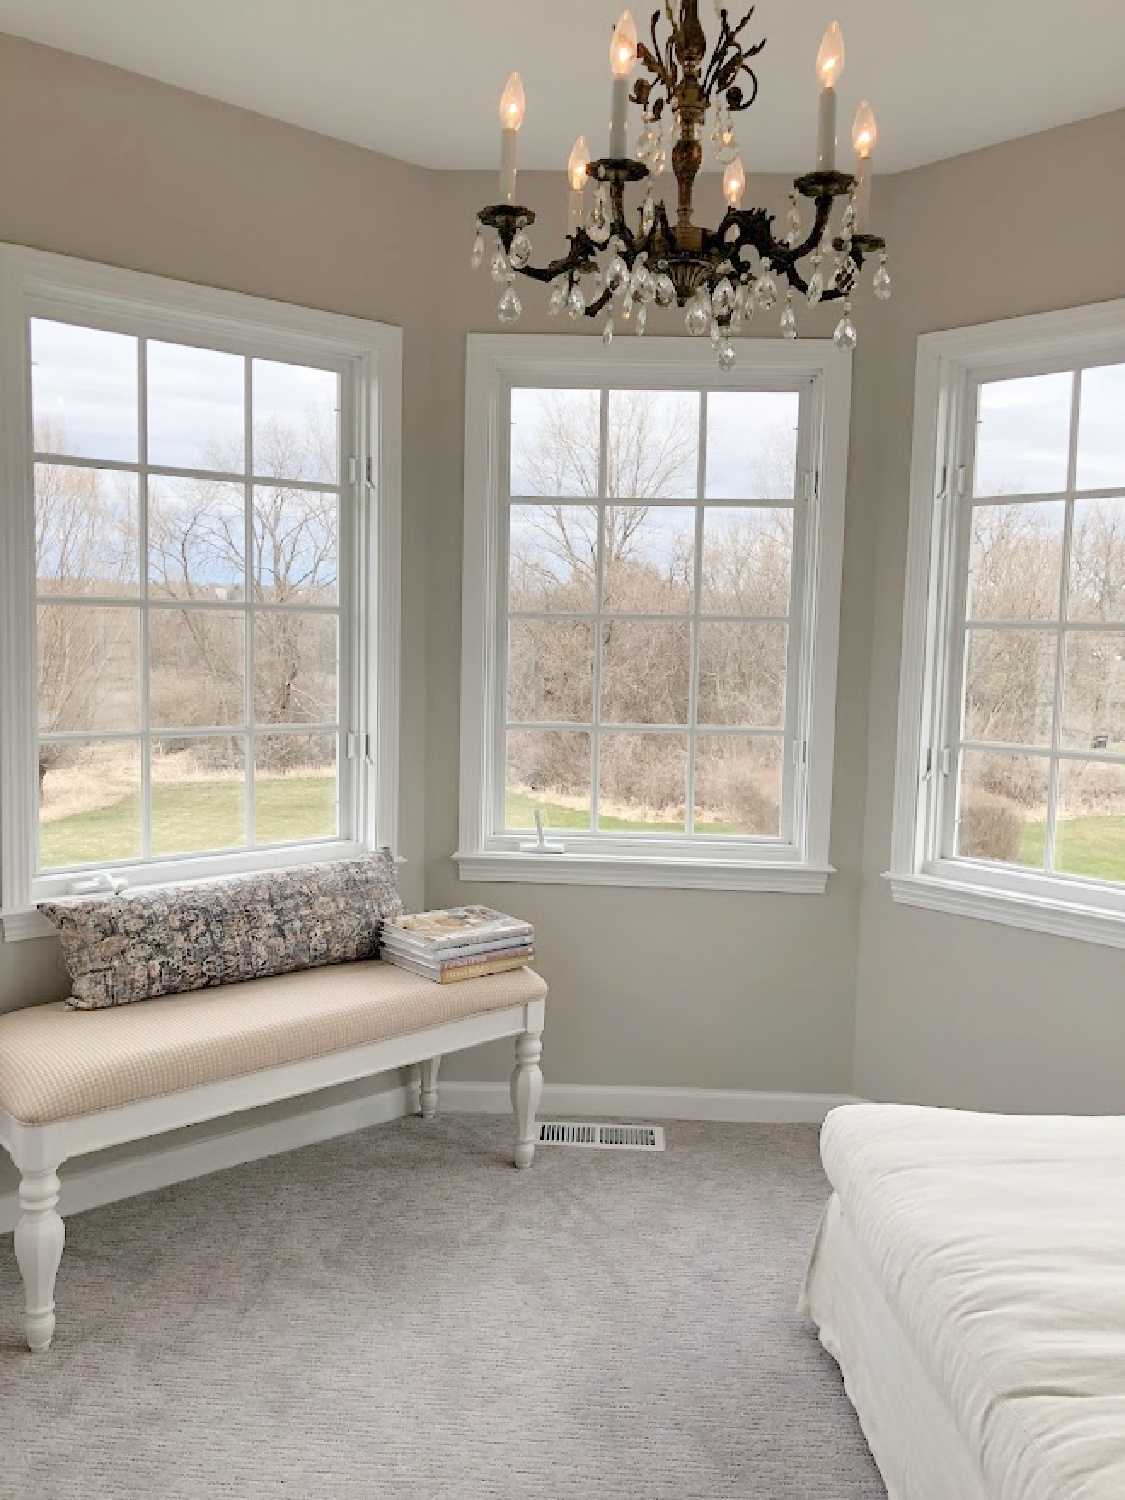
460 942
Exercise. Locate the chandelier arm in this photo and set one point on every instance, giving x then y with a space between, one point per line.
815 234
576 262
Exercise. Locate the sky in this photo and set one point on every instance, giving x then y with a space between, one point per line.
86 380
1023 433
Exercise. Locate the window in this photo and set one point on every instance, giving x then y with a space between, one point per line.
640 664
196 646
1011 795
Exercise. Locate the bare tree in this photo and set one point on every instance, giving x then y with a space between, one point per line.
85 545
648 562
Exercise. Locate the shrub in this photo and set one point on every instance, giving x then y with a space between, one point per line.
990 830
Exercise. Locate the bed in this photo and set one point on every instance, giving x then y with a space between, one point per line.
968 1277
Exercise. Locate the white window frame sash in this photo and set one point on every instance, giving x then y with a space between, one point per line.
368 356
799 861
922 872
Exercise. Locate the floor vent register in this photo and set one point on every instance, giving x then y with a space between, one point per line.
601 1137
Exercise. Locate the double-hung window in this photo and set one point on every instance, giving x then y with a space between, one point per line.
1011 780
193 501
651 600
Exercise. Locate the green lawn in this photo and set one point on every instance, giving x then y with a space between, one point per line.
521 814
199 815
1083 846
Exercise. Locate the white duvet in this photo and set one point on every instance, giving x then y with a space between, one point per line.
998 1243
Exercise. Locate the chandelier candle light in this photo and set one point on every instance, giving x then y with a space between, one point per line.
720 276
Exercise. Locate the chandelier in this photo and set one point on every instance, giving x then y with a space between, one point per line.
721 277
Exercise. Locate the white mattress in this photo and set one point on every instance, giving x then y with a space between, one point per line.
997 1246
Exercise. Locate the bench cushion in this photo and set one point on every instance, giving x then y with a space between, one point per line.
57 1063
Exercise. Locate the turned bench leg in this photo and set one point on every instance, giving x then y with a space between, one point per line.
429 1094
39 1246
527 1088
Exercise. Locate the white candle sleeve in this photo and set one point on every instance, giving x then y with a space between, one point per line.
863 195
577 204
826 132
508 165
618 144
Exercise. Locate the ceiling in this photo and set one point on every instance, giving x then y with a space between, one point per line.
422 81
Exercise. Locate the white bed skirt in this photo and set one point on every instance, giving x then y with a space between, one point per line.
920 1454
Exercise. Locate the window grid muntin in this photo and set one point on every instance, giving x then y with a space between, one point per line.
956 687
248 731
794 775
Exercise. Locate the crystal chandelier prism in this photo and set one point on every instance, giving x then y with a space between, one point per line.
720 277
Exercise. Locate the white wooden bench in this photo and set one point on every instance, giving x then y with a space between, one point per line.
73 1082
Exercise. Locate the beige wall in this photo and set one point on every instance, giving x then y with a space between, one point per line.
109 166
949 1010
661 987
703 989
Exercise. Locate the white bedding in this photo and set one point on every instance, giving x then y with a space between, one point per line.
997 1244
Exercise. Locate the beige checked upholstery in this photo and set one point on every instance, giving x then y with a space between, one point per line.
56 1064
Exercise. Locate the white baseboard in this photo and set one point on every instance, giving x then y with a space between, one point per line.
729 1106
158 1163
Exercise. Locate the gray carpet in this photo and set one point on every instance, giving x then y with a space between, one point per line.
401 1314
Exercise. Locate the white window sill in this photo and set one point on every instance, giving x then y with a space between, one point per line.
1063 917
19 926
671 872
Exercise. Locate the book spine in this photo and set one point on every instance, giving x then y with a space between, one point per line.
478 971
522 952
518 932
399 943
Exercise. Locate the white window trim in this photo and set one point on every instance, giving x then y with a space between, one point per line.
1068 906
34 281
494 360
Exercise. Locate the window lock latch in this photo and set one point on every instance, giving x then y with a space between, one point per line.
104 883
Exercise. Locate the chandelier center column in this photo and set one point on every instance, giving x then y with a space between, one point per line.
690 44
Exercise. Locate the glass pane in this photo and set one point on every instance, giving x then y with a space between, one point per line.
1090 828
738 784
83 391
646 669
1101 428
295 668
649 558
642 786
547 770
89 803
296 422
742 674
1010 686
747 560
752 445
652 445
196 408
1003 814
86 531
550 671
1015 561
89 668
1094 694
197 668
196 539
553 557
198 795
1023 435
555 437
295 794
1097 561
294 539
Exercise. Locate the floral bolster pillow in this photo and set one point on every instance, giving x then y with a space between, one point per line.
189 937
